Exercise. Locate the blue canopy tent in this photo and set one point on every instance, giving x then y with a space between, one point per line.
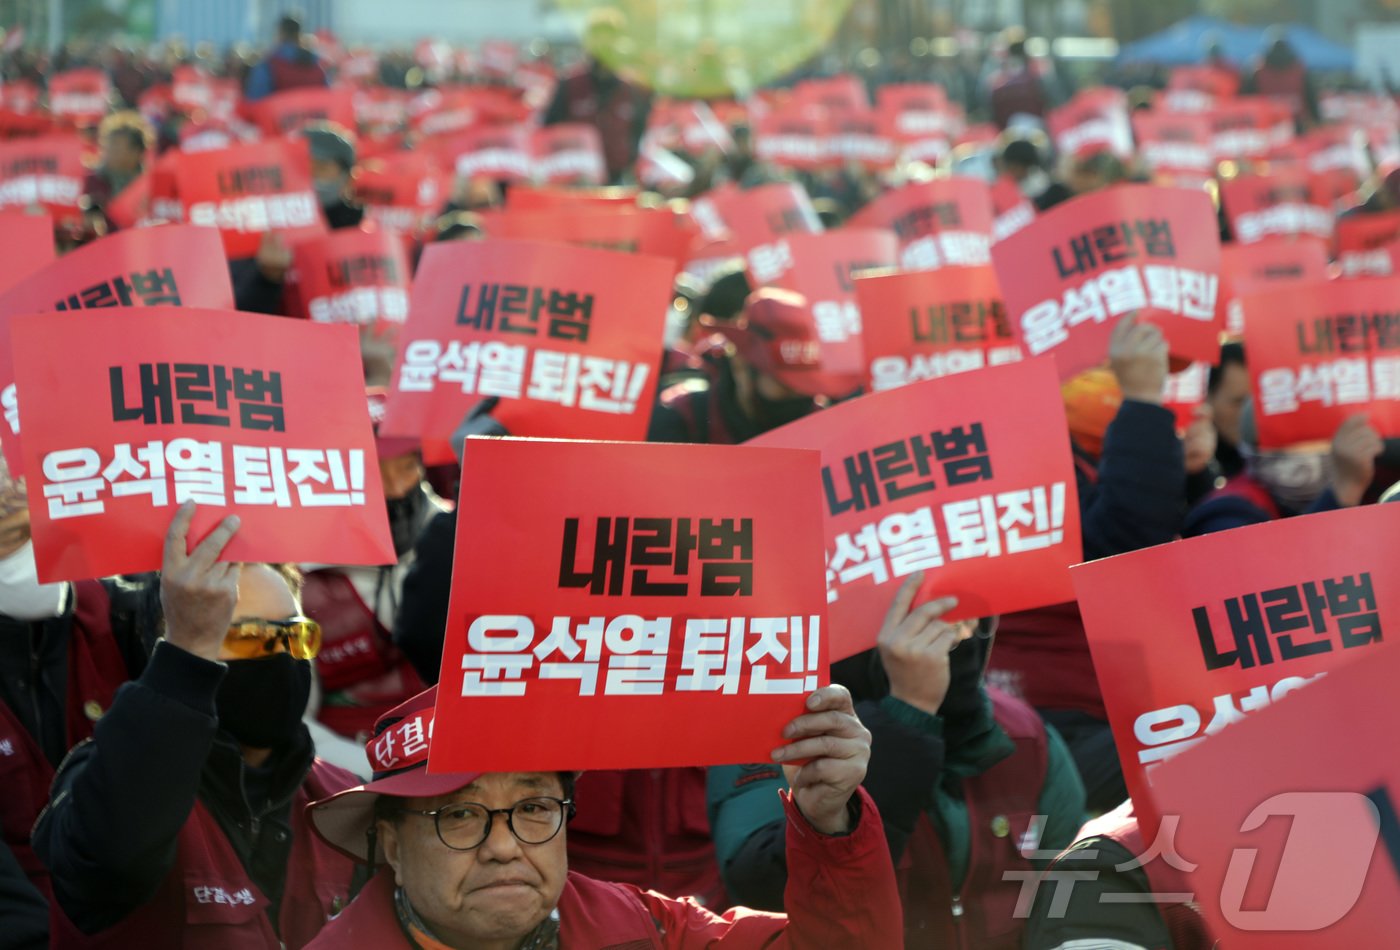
1185 43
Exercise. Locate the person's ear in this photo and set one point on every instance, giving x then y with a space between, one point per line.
389 841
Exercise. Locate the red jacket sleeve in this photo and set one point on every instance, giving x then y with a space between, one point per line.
841 892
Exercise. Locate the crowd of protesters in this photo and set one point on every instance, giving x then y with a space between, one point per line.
178 766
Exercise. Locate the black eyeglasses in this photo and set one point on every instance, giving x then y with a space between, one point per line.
465 826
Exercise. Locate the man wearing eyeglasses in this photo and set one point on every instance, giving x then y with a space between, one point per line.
477 861
180 823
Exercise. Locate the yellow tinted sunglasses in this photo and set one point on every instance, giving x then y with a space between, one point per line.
252 639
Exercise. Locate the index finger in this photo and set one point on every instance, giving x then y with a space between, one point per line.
177 538
903 597
831 698
207 552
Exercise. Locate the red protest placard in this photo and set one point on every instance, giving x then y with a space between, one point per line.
497 152
940 223
248 190
697 655
950 477
925 324
919 117
756 215
619 227
161 406
793 137
26 244
45 172
352 276
567 337
1281 203
569 153
859 138
550 197
1248 128
1218 83
1176 147
1288 820
402 192
1095 120
173 266
80 96
1252 268
822 267
285 112
1319 353
843 93
1361 240
1071 274
1189 637
1012 209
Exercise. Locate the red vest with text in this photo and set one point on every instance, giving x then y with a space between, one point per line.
1001 805
592 916
647 827
357 658
96 668
208 901
1183 919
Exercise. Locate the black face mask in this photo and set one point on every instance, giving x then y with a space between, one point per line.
261 701
964 699
403 520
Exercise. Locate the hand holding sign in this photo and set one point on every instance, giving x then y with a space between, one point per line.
1137 352
1354 451
198 591
914 647
274 257
837 748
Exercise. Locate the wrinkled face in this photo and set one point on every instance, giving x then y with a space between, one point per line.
499 891
1227 402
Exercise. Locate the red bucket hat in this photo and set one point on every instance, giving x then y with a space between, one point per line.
777 335
399 754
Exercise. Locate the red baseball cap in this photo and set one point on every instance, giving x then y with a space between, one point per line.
399 754
777 335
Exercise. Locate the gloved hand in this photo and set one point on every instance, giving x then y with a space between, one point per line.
477 422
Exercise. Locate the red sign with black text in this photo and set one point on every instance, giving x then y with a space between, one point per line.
1253 268
1278 204
164 406
946 222
80 97
146 267
1190 637
1068 277
249 190
26 245
352 276
950 477
1299 848
45 172
925 324
823 267
567 337
676 619
756 215
284 113
1319 353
